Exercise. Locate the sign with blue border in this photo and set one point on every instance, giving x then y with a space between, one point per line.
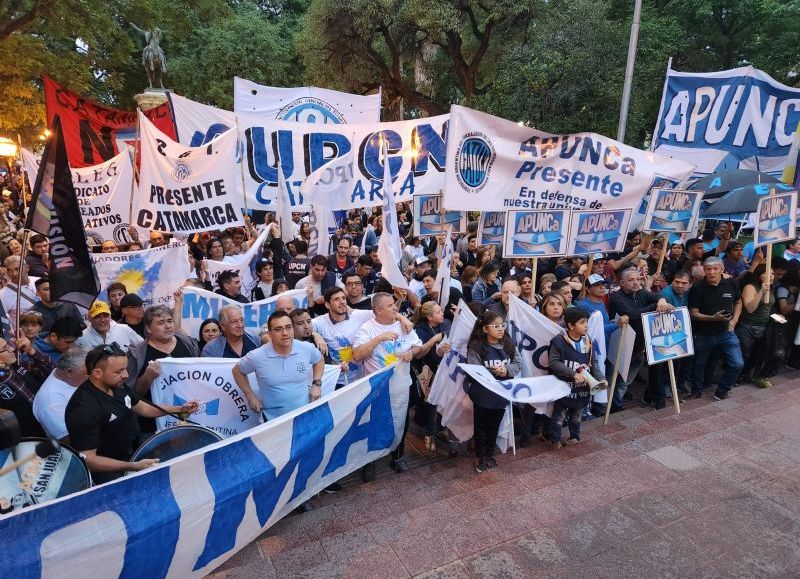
598 231
672 210
667 336
776 219
428 216
536 233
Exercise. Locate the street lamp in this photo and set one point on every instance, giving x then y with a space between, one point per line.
8 148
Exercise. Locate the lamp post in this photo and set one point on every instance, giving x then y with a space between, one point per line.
626 90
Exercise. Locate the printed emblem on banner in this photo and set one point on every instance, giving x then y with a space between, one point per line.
122 235
310 110
474 160
6 393
182 171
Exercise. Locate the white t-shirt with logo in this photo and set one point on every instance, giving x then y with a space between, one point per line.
386 353
339 338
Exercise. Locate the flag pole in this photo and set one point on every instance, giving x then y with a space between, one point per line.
769 259
534 271
19 286
626 90
22 169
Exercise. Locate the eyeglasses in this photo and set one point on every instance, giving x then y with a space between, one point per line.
283 329
354 283
498 326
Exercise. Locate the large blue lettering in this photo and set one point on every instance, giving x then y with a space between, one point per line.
370 160
429 146
258 155
195 307
315 145
199 139
238 469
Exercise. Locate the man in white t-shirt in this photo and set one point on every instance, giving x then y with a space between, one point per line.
8 295
103 330
51 400
379 343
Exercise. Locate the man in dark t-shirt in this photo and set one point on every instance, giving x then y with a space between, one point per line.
100 416
715 304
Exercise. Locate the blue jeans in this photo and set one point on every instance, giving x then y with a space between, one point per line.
573 413
727 344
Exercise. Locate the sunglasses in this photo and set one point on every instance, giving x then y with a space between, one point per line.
103 353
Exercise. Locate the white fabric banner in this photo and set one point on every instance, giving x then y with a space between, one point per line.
31 162
222 406
305 104
389 248
244 264
188 515
443 274
597 333
416 158
627 349
187 189
495 165
540 390
200 304
152 274
198 124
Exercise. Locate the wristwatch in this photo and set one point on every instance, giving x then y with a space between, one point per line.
316 382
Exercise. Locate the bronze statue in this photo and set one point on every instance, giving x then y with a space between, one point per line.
153 59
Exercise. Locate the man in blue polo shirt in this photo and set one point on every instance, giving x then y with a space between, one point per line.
288 371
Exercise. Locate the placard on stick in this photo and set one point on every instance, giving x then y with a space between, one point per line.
491 228
429 219
776 219
536 233
667 336
598 231
672 210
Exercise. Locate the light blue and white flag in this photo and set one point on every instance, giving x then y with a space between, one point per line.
442 283
389 249
540 390
331 185
284 208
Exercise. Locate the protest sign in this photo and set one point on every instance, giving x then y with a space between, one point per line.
427 211
305 104
672 210
740 118
152 274
197 124
597 334
536 233
416 158
199 305
598 231
495 165
531 332
94 133
538 390
667 336
491 228
186 516
222 405
187 189
776 219
244 264
626 355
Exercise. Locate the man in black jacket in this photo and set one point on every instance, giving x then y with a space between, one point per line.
630 302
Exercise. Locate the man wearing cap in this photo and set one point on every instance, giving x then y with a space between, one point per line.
132 308
595 301
415 285
53 310
715 304
103 330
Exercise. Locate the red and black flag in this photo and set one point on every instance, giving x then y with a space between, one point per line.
54 212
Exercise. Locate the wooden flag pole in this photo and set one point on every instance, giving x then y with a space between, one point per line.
534 271
616 373
23 172
589 266
674 385
25 233
769 259
661 257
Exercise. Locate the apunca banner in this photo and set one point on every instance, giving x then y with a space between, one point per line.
495 165
93 132
416 158
200 304
197 124
187 189
188 515
740 118
538 390
305 104
152 274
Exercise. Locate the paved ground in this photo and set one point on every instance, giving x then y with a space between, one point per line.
713 492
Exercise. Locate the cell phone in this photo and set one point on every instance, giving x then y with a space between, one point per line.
726 313
778 318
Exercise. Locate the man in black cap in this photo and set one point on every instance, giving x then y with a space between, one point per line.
132 308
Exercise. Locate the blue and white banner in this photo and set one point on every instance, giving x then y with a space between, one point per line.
199 305
539 390
672 210
416 158
187 516
244 264
667 336
536 233
305 104
222 406
491 228
428 216
776 219
740 118
152 274
496 165
598 231
197 124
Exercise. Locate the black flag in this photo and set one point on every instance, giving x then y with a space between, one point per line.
54 212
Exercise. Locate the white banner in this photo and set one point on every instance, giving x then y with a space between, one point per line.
416 158
389 246
152 274
198 124
187 516
597 333
200 304
222 406
540 390
491 228
187 189
627 350
305 104
495 165
531 332
598 231
244 264
740 118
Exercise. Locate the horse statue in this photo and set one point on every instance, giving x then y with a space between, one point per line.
153 58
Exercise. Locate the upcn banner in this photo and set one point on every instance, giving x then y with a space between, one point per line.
187 516
740 118
496 165
416 157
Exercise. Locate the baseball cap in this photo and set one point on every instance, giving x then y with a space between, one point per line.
99 307
420 260
598 257
131 301
595 279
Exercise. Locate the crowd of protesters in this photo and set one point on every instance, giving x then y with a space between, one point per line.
743 322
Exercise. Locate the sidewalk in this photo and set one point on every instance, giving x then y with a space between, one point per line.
713 492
